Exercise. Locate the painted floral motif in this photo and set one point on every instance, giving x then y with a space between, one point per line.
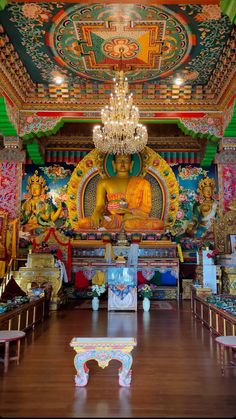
121 290
229 184
113 47
89 163
213 29
208 125
208 12
10 177
180 213
36 12
31 19
190 172
185 211
56 172
34 123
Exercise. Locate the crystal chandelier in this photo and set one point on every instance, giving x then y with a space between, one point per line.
121 132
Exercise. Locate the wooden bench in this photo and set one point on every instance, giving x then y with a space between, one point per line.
103 350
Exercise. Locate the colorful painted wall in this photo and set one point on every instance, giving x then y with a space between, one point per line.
188 177
43 198
54 178
10 188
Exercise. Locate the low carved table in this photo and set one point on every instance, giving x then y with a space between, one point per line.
227 343
103 350
7 336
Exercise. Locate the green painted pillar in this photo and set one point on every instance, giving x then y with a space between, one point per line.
230 130
34 151
3 4
6 127
228 7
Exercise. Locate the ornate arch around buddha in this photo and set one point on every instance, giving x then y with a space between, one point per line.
81 190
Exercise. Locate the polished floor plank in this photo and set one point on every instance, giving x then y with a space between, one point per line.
176 371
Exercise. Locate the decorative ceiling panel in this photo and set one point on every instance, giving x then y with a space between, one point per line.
83 41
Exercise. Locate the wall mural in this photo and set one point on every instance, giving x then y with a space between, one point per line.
10 188
84 41
228 172
44 196
191 208
198 207
43 202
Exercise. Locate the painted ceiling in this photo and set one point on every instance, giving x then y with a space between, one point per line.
84 41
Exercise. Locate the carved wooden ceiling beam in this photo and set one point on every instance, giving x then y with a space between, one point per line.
13 70
165 143
154 2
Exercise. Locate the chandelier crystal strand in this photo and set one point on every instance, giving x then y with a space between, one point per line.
121 132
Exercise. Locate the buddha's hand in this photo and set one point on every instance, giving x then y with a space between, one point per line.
96 218
122 211
128 214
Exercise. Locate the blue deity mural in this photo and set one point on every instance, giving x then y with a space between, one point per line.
43 202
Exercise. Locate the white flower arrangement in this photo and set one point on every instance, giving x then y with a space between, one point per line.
97 290
146 291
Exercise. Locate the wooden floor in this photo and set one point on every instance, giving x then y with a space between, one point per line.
176 371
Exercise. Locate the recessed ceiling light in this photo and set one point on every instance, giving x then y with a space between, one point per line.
58 80
178 81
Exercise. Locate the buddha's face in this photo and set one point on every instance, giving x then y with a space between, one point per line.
122 164
35 190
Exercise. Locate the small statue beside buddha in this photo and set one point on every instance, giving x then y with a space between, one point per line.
122 201
205 210
38 211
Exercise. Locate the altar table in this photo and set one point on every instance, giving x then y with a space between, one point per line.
103 350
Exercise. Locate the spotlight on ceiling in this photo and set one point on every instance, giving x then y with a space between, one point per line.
178 81
58 80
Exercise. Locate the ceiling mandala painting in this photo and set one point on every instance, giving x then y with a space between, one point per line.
92 41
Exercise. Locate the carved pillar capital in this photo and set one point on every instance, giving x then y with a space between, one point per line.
226 156
12 142
12 154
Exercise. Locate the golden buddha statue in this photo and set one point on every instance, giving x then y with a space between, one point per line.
204 210
38 211
122 201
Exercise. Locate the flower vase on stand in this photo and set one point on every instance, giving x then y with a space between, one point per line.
95 303
146 304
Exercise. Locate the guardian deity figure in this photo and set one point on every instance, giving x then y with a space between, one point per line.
38 211
205 210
